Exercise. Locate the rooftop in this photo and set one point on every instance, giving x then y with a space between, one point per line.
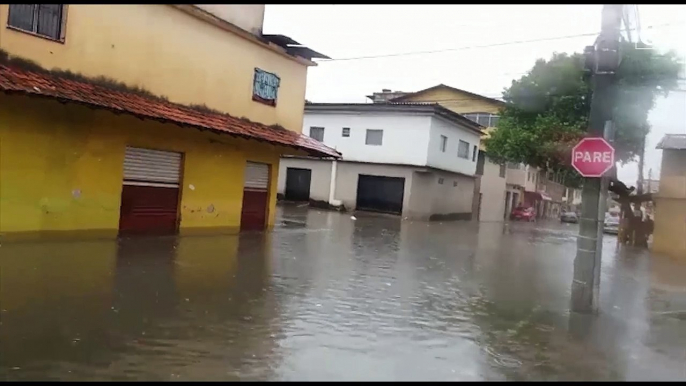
443 86
672 142
47 85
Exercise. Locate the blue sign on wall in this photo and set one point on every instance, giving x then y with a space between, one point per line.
265 87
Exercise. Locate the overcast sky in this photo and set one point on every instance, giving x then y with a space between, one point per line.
460 33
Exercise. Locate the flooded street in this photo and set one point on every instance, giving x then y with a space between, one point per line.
324 297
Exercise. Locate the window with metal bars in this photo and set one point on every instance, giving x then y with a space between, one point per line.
41 19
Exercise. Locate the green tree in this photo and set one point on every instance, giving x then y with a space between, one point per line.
548 108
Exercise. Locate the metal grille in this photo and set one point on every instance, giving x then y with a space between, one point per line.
151 167
256 176
43 19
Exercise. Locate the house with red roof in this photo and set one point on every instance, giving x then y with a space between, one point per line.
154 119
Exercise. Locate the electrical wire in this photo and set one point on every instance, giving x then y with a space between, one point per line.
500 96
481 46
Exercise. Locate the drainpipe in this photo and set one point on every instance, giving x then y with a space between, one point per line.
332 183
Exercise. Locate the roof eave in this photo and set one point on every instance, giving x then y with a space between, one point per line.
427 108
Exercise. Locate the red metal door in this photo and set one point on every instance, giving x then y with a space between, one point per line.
149 210
255 197
254 212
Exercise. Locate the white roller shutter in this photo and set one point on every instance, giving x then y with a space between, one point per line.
256 176
151 167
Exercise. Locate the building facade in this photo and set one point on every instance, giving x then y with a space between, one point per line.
669 234
416 160
491 183
521 186
145 118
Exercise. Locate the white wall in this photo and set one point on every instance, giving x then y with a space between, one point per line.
493 191
530 186
348 175
405 136
249 17
449 160
320 178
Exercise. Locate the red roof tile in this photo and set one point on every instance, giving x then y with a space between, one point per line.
13 80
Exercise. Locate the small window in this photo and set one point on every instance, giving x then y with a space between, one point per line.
440 181
494 120
471 117
454 184
444 143
502 170
484 119
374 137
317 133
41 19
463 149
474 153
346 132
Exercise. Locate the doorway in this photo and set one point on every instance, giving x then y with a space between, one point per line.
298 184
150 192
255 197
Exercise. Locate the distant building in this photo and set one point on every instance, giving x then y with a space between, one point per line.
494 196
669 236
416 160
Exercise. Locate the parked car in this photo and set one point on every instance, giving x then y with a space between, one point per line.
523 213
569 217
611 224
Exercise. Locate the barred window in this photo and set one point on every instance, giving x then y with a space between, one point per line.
484 119
41 19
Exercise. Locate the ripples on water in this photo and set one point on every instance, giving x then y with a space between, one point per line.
327 298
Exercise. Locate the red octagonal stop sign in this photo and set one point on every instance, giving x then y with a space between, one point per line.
592 157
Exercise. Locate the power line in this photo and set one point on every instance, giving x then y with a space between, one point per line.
500 96
481 46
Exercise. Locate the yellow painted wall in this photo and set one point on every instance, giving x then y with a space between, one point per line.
456 101
49 150
669 235
170 53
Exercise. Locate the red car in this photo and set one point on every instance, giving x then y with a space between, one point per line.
523 213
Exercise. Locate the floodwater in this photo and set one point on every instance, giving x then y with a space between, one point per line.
324 297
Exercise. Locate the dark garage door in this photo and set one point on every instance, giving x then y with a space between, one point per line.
380 194
298 184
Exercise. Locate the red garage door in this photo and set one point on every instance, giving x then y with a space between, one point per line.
255 197
150 195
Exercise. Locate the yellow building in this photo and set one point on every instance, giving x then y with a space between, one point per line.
669 235
491 183
145 118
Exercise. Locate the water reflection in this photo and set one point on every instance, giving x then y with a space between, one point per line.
325 297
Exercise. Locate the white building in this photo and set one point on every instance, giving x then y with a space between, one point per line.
417 160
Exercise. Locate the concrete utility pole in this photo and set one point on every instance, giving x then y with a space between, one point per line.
604 62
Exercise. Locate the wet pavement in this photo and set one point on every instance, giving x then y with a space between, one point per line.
324 297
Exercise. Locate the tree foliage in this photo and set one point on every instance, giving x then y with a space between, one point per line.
547 109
